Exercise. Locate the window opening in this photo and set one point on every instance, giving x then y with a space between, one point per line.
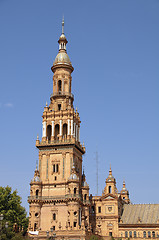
65 130
99 209
144 234
134 234
130 234
149 234
59 107
75 224
37 193
54 216
49 132
56 131
126 234
75 190
59 86
153 234
110 234
110 189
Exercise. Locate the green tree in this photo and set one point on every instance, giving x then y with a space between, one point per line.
13 213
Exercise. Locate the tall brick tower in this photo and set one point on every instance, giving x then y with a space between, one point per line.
59 195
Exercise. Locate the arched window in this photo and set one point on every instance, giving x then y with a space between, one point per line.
75 190
134 234
144 234
110 189
59 86
149 234
35 226
153 234
85 197
130 234
37 193
56 131
49 132
54 216
65 130
126 234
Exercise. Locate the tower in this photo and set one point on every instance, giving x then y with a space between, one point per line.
59 198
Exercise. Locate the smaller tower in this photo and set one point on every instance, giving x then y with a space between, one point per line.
35 206
125 193
110 184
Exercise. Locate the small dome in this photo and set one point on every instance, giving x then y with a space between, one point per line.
73 176
62 37
36 179
62 58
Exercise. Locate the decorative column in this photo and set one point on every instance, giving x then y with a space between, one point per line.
79 134
44 130
68 127
71 127
53 129
76 132
60 127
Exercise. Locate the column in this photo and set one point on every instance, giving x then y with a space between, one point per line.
79 134
76 132
71 127
53 129
68 127
56 86
44 130
60 127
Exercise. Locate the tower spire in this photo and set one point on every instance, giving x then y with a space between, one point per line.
63 25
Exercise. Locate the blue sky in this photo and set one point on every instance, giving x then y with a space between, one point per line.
114 48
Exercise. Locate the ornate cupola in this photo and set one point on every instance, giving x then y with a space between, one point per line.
110 184
125 193
62 59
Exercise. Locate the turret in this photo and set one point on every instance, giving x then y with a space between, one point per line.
124 193
110 184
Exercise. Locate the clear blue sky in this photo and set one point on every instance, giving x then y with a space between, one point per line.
114 48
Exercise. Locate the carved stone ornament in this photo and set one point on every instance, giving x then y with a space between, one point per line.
109 209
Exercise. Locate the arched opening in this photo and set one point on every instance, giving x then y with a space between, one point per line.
130 234
37 193
56 131
144 234
134 234
153 234
126 234
149 234
85 197
35 226
110 189
59 86
75 190
49 132
65 130
54 216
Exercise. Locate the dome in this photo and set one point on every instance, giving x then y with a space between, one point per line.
62 37
73 176
62 58
36 179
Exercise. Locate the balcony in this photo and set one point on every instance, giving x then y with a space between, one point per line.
57 142
60 93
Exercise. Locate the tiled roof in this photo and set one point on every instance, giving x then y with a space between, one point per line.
140 214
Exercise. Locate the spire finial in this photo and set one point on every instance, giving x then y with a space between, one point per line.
63 25
110 170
